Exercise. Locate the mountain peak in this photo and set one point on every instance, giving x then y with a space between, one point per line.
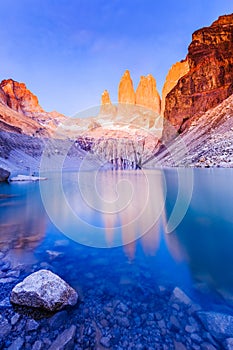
225 19
147 94
105 98
19 98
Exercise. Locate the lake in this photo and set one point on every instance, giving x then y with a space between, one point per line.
124 240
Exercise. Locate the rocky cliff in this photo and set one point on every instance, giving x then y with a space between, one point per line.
16 96
209 79
20 111
202 143
177 71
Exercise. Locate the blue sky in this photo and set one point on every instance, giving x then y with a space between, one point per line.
69 51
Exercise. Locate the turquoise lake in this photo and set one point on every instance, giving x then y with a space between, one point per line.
124 215
129 235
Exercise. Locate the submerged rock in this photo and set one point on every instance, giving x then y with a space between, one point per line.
180 296
17 344
219 325
228 344
4 175
43 289
64 341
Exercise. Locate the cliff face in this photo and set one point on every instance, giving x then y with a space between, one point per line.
16 96
177 71
210 77
20 111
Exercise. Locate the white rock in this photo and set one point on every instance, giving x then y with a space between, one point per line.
43 289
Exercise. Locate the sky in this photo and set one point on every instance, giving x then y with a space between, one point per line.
68 51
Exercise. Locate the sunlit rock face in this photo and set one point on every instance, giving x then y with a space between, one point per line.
128 132
147 94
210 76
19 98
107 108
126 92
178 70
105 99
20 111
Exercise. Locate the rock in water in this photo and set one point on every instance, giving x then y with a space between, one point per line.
43 289
4 175
179 295
219 325
64 341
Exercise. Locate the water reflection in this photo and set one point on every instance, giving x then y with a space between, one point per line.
22 221
108 209
105 209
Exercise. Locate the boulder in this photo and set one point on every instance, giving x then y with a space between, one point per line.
219 325
45 290
4 175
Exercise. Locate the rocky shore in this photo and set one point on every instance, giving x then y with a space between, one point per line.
110 314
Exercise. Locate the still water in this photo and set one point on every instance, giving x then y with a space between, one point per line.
168 228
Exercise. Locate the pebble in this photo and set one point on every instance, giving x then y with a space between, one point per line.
7 280
5 267
196 338
123 321
38 345
15 319
106 342
5 327
56 321
190 329
32 325
179 346
13 273
175 323
5 303
17 344
207 346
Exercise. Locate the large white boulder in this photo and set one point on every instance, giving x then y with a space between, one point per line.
43 289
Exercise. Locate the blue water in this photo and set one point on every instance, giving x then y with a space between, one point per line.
113 227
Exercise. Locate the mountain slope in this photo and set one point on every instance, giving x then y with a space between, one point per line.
20 111
202 144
